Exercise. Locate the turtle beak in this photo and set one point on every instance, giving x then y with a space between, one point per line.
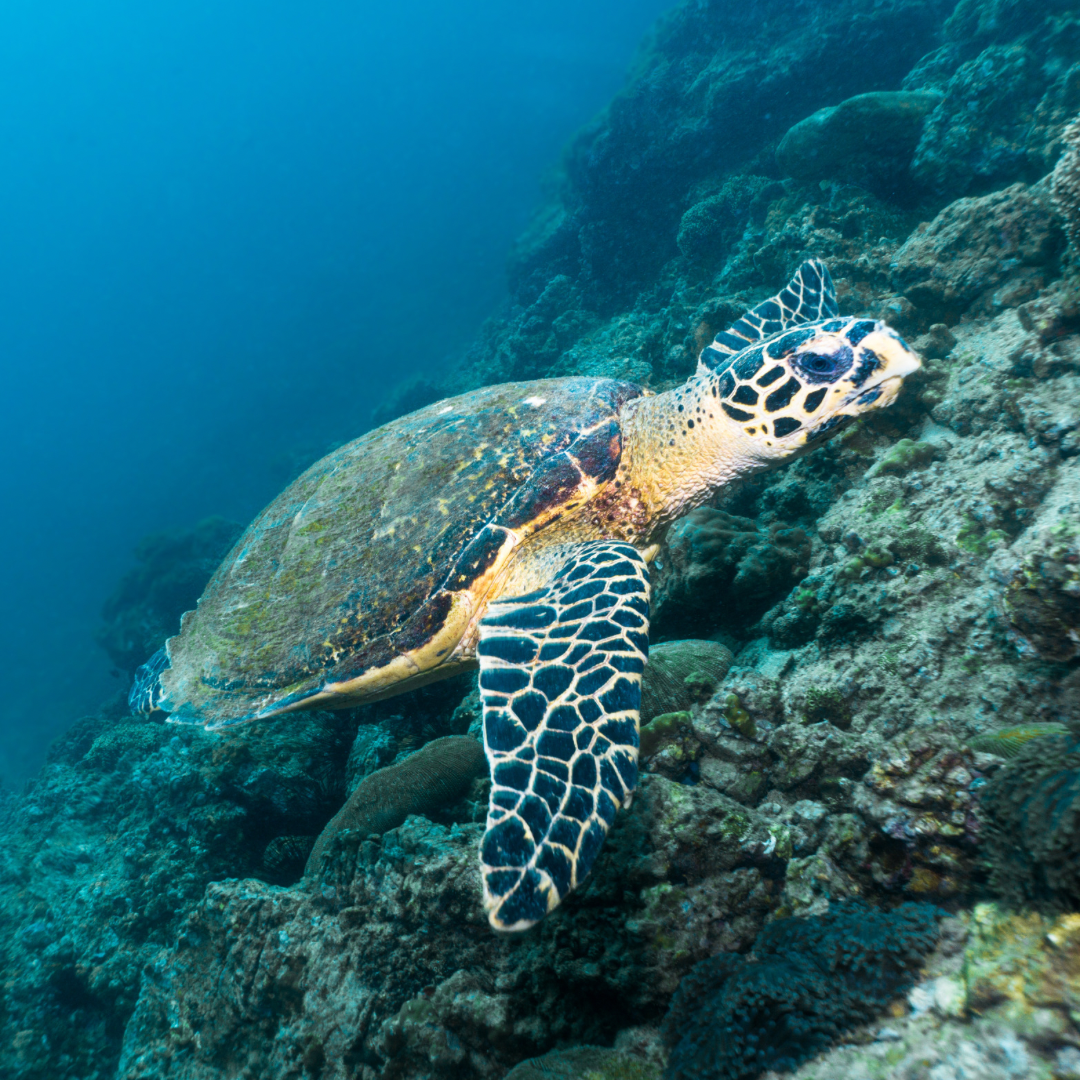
896 361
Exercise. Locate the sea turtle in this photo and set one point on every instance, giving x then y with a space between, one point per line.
511 528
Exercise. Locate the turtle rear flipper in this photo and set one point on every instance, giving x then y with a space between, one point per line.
144 697
808 297
560 679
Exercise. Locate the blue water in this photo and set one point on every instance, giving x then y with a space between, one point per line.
225 230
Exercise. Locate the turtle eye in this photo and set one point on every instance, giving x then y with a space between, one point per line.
820 367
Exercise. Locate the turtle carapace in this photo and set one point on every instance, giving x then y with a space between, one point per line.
511 528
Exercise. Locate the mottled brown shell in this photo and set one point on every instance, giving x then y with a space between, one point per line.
366 571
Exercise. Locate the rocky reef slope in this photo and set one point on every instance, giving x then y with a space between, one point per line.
895 603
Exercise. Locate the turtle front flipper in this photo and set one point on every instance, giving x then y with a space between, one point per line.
808 297
560 680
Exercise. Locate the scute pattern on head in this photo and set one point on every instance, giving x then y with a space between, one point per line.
778 387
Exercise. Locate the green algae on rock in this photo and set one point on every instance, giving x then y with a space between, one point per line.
663 728
906 454
437 774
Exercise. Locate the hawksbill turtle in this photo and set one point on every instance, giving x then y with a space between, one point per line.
511 528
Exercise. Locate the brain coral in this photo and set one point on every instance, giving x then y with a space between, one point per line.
437 774
805 980
677 674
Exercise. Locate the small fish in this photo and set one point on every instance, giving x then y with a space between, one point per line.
1008 742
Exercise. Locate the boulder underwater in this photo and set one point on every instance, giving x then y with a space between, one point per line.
877 131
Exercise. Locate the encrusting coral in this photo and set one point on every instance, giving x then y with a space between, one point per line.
437 774
804 982
584 1063
1008 742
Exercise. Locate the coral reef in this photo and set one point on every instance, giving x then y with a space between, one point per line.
438 774
976 246
1009 76
804 982
718 82
109 849
996 1001
891 628
389 961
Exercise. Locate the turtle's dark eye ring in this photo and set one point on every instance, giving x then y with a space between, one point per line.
820 367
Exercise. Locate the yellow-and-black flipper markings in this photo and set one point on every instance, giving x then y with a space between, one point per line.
808 297
560 679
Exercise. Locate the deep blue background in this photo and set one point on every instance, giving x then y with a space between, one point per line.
225 229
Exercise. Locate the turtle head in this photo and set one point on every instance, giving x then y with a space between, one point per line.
792 390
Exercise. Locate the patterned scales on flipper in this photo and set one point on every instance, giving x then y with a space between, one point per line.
809 296
145 692
560 679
